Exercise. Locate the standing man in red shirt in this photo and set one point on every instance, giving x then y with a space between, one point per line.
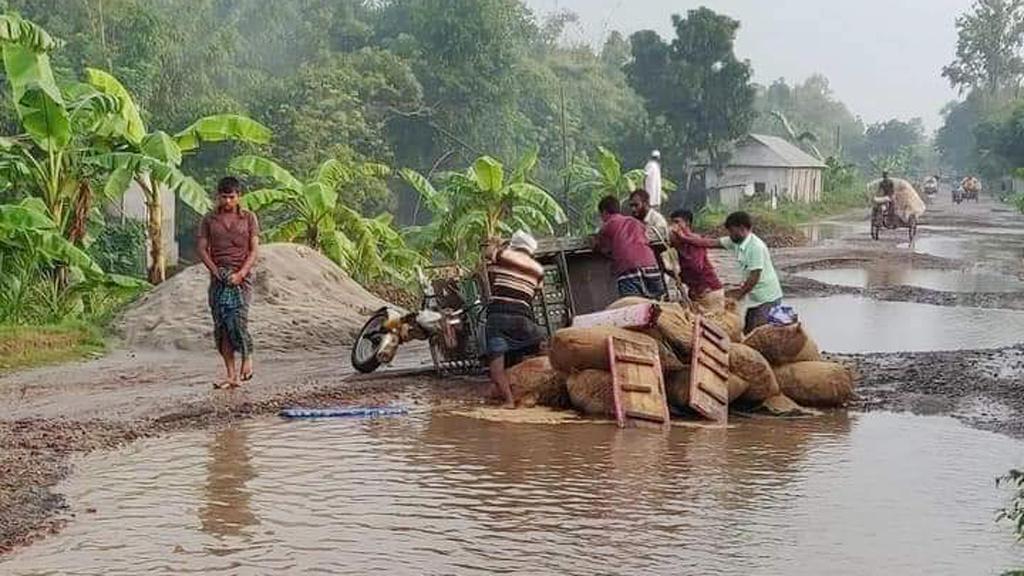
228 243
695 268
624 240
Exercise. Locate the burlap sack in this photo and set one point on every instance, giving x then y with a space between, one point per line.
749 365
677 388
730 322
737 387
627 301
674 323
575 349
783 344
590 392
782 405
536 383
820 384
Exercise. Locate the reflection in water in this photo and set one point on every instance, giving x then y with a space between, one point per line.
851 324
817 232
990 250
225 510
442 494
932 279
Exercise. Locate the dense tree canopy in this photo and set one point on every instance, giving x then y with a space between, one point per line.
695 83
434 84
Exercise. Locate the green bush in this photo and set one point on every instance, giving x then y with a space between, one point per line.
120 248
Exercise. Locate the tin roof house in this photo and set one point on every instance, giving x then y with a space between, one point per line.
768 167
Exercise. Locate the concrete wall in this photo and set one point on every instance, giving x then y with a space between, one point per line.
133 205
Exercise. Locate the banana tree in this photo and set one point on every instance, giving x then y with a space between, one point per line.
60 128
153 159
44 278
370 249
589 183
806 138
479 204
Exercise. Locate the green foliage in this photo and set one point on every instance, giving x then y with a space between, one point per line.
46 279
370 249
696 83
809 108
470 207
1014 512
589 183
120 248
989 40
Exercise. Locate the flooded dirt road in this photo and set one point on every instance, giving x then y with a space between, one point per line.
434 493
940 335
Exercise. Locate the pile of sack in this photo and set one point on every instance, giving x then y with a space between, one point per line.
774 368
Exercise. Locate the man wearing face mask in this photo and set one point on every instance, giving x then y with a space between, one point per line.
761 287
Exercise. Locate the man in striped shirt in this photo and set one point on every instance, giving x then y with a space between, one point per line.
512 331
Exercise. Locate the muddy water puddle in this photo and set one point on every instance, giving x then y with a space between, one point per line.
828 230
932 279
1005 252
440 494
852 324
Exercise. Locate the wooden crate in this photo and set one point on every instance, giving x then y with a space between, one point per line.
637 383
709 372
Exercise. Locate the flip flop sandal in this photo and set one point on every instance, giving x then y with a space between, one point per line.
247 377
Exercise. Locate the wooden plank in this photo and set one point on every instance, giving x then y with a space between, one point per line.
637 382
634 359
709 372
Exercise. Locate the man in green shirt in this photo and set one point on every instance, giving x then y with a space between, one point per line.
761 287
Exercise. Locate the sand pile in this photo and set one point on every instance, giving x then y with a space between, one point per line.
301 300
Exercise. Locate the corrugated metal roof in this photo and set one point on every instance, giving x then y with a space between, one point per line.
771 152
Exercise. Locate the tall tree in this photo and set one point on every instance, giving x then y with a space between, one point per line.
988 46
810 107
696 83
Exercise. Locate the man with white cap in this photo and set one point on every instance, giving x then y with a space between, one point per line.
512 331
652 179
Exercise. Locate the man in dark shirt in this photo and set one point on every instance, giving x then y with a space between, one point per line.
624 240
228 243
695 268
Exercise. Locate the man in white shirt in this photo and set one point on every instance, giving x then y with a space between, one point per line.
652 179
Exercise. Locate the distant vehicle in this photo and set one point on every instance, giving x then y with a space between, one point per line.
970 189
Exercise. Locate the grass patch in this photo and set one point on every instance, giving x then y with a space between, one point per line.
28 346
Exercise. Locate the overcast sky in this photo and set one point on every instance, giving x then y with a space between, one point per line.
883 58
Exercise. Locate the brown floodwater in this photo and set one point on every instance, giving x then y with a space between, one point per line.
932 279
442 494
830 230
853 324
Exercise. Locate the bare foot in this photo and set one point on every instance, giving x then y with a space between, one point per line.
509 406
247 370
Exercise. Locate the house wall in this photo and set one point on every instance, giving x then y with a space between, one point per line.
792 184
